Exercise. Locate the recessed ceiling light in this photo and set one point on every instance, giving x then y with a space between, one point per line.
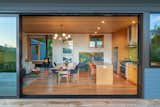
95 32
133 22
102 21
98 28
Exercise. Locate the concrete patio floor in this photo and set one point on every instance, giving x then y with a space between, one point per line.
79 103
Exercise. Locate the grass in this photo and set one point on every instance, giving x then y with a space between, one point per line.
7 59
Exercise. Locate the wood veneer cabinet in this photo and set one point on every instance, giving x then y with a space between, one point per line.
132 73
104 74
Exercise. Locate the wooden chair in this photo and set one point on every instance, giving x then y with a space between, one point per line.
92 70
63 74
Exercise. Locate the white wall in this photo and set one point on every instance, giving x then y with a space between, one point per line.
57 51
81 44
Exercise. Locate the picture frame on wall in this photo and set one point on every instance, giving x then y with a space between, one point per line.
67 50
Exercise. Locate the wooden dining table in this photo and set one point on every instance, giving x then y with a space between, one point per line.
61 70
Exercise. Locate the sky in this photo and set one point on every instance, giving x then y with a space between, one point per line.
154 20
8 31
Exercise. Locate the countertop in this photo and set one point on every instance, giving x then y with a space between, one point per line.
103 64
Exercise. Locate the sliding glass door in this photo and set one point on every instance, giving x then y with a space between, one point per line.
8 59
79 49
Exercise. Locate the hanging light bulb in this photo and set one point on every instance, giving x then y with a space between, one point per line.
63 34
56 35
69 36
98 28
66 37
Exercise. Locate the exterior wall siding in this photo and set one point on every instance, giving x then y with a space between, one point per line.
152 83
79 6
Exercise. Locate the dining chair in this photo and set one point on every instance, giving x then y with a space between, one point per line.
63 74
75 73
92 70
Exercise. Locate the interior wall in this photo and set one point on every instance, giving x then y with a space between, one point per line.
57 53
81 44
120 40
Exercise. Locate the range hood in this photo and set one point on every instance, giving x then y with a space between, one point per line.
132 36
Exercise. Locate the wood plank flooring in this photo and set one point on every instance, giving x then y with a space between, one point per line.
46 84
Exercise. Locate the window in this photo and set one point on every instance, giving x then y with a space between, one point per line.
155 39
38 48
8 56
96 41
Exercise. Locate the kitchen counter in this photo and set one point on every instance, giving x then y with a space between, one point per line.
104 74
103 64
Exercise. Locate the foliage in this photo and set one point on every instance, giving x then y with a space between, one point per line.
7 59
155 44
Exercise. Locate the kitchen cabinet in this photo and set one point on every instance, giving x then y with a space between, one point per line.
132 73
104 74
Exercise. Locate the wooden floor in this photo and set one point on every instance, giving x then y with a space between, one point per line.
46 84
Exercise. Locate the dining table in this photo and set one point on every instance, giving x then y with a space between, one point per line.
63 70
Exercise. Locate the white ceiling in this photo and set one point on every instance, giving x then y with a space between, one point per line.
75 24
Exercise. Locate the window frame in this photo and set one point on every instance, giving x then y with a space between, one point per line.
30 47
99 36
150 41
141 18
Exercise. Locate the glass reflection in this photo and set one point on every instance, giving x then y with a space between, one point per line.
155 39
8 56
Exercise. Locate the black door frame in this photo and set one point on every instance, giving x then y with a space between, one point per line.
140 54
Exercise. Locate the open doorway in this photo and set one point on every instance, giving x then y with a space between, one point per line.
80 55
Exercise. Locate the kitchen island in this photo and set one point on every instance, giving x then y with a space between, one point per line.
104 74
